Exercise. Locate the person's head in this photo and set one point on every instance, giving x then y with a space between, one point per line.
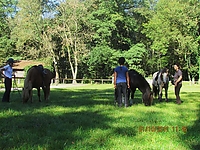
121 60
10 61
176 66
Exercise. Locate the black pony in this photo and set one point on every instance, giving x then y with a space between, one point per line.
138 81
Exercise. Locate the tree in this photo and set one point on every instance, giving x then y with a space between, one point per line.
173 31
71 28
7 8
28 26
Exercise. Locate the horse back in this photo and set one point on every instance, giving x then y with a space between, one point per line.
138 81
36 77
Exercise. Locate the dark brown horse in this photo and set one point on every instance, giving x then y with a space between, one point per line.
138 81
37 77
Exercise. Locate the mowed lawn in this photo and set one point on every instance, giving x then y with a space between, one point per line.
85 118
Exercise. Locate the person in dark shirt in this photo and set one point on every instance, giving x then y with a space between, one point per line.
121 82
177 83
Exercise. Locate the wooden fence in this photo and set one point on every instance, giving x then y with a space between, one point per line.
67 81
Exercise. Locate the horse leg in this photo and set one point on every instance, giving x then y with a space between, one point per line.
166 94
160 94
132 95
31 95
128 94
155 91
38 90
46 91
115 95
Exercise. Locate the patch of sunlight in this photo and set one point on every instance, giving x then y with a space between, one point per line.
55 110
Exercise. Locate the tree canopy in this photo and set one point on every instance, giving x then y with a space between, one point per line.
86 37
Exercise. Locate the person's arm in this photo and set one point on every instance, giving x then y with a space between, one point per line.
115 79
179 79
2 68
127 79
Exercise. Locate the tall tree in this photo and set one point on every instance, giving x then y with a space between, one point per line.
173 31
114 32
27 28
7 9
71 28
29 25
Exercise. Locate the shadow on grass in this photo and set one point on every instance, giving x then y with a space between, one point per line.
72 117
192 137
34 128
48 130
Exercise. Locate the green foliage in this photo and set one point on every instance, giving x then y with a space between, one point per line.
100 62
171 29
6 44
150 34
135 56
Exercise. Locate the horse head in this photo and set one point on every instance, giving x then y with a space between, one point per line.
26 91
164 76
147 98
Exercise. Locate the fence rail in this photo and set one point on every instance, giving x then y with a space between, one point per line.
65 80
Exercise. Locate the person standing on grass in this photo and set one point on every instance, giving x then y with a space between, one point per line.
121 82
8 73
177 83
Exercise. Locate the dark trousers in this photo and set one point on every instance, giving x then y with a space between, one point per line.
177 92
122 88
8 85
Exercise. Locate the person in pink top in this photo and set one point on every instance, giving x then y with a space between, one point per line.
8 73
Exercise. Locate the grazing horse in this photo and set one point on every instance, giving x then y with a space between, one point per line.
37 77
138 81
160 81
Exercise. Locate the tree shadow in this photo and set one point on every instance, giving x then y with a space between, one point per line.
73 117
54 129
58 131
192 133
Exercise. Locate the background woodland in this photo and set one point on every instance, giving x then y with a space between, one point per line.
85 38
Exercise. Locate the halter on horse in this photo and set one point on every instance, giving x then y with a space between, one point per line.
160 81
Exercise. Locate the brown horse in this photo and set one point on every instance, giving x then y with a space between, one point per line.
37 77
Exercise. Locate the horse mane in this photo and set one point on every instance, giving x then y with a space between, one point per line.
135 72
141 77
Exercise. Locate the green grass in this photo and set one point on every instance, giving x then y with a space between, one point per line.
84 118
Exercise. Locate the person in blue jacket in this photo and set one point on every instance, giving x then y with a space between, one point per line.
121 82
8 73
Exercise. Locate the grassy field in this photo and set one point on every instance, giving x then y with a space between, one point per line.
85 118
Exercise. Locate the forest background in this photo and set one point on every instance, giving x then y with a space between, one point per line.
85 38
